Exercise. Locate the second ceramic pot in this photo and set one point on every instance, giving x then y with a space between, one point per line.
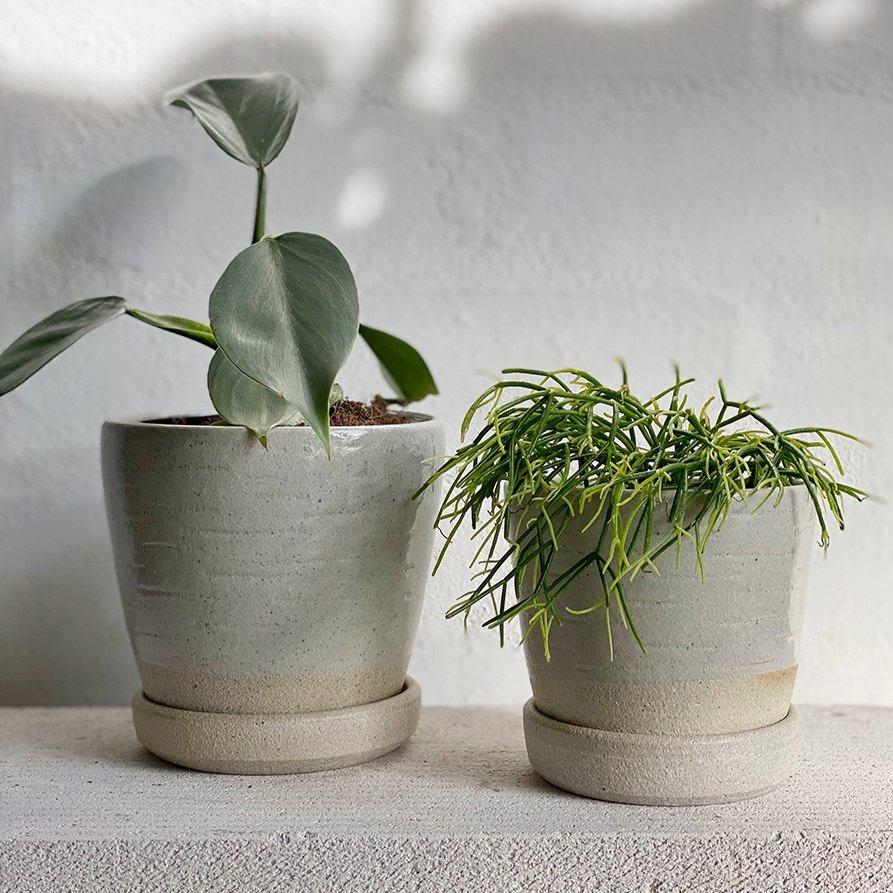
720 662
270 582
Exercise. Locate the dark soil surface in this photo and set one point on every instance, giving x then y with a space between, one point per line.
344 414
349 413
187 420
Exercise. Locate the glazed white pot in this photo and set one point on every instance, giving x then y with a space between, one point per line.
269 582
719 667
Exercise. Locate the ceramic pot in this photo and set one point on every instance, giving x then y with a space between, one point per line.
704 715
270 583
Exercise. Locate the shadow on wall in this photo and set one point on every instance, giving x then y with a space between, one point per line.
581 165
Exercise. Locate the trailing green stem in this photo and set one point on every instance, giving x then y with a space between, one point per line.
651 474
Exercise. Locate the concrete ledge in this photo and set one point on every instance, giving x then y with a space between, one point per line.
84 808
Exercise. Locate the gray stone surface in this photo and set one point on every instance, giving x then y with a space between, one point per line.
84 808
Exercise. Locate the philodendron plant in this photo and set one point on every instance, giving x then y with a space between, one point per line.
646 475
284 314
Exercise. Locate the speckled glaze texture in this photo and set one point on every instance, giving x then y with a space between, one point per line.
661 770
721 651
277 743
270 581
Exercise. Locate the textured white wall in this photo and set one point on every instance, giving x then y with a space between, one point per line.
708 181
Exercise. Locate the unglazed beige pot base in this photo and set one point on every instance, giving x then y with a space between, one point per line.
661 770
277 743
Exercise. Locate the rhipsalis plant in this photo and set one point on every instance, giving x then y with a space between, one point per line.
283 316
646 475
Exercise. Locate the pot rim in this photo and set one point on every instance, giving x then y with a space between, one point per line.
419 419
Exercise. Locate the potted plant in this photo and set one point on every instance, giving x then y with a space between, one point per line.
657 556
271 582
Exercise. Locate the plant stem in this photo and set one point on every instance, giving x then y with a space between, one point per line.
179 325
260 208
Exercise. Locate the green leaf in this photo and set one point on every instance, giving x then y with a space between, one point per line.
179 325
402 365
44 341
250 118
242 401
285 314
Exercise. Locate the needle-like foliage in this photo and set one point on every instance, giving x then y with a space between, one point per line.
646 475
